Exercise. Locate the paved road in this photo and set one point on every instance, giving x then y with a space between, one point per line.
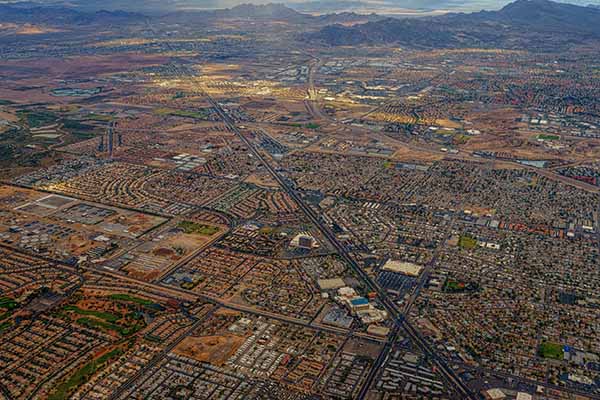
383 354
312 103
424 278
129 384
178 294
586 395
448 374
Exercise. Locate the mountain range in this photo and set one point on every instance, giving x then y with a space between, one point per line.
56 15
541 25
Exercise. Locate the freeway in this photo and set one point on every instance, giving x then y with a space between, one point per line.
312 103
186 295
448 374
177 294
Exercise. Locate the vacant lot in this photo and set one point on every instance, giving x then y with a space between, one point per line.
214 349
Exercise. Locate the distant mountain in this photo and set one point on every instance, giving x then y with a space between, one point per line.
321 6
90 6
270 11
53 15
346 17
60 15
533 24
548 15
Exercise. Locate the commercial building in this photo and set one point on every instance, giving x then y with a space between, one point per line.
404 268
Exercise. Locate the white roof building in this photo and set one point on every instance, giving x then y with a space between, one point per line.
401 267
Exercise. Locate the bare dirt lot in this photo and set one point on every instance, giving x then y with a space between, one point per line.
214 349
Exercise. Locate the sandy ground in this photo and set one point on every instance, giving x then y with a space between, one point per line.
214 349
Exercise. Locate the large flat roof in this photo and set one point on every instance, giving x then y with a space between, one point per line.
333 283
402 267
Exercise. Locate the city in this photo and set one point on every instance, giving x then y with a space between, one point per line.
255 202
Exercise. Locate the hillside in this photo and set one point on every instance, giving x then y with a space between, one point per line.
534 24
58 15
